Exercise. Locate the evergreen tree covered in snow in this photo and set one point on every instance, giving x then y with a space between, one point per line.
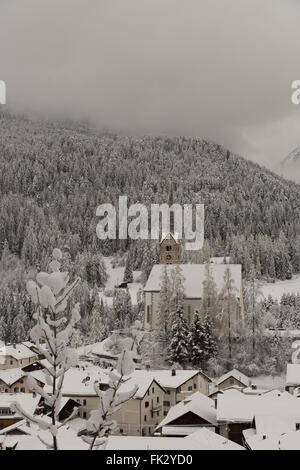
164 306
196 341
97 327
209 340
128 273
178 348
76 339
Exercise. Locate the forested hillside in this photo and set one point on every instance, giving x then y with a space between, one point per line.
53 176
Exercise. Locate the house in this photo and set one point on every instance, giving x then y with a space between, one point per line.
79 384
191 414
194 275
140 415
14 356
15 380
28 401
237 412
233 378
178 384
202 439
292 378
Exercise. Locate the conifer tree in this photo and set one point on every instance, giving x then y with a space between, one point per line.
196 341
97 330
164 305
209 340
178 348
128 274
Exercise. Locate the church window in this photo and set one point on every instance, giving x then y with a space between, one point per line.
148 313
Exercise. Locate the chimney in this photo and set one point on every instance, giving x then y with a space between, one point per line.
173 372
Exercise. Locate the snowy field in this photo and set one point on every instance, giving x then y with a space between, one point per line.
278 288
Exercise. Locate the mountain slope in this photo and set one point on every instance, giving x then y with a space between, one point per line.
290 166
53 177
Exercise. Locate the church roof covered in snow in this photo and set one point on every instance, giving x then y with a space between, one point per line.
194 275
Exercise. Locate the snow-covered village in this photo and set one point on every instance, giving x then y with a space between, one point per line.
149 228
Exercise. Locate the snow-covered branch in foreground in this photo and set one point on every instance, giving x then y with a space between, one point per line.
51 335
100 423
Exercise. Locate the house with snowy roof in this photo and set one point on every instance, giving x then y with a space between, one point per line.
178 384
292 382
189 415
233 378
8 416
13 356
140 415
15 380
271 412
194 275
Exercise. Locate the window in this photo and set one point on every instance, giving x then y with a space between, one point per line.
195 385
148 314
16 389
146 404
165 413
84 414
168 392
152 389
84 402
145 418
157 399
11 362
23 390
169 248
121 431
167 403
190 388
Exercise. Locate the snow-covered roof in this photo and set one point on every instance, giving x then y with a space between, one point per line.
80 381
202 439
293 374
205 439
194 275
234 373
67 440
143 383
168 236
10 376
243 408
287 441
28 401
180 431
198 404
165 377
17 351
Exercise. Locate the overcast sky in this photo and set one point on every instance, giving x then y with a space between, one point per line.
220 69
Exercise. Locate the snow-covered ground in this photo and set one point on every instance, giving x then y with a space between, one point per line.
115 278
278 288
